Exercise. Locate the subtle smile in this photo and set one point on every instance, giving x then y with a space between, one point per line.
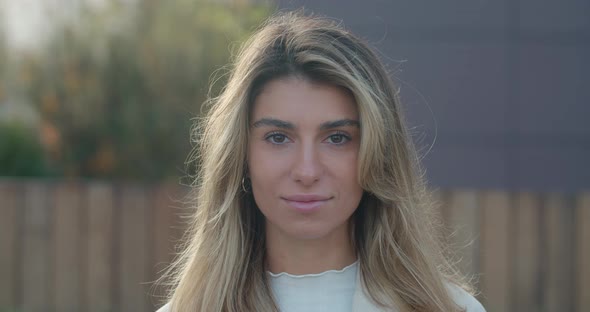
306 202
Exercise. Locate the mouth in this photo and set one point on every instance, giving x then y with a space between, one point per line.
306 202
306 197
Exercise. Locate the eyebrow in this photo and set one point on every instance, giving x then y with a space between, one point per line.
272 122
340 123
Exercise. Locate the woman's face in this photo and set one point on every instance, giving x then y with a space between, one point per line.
302 158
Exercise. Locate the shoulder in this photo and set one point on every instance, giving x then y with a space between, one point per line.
464 299
165 308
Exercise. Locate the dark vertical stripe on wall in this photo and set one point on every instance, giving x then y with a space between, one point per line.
511 85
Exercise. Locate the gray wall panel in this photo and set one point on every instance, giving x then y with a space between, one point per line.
554 16
554 90
452 78
508 82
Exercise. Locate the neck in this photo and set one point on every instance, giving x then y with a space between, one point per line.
308 256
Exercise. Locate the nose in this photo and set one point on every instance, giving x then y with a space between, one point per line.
307 168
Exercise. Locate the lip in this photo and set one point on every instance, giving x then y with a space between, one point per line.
306 202
306 197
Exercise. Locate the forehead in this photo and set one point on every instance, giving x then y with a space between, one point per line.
300 99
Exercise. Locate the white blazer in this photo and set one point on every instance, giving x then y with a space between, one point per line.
362 303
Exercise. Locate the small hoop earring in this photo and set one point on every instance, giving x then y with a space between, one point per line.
244 187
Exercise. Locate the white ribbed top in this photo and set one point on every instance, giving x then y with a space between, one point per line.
331 290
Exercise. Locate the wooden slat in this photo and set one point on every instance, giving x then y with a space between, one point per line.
67 264
583 248
525 278
463 221
36 249
181 212
99 252
134 252
167 232
495 236
438 202
558 291
9 220
162 229
163 236
444 198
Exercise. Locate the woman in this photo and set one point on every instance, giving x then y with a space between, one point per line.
309 194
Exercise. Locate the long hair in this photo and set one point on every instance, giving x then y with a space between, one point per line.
222 264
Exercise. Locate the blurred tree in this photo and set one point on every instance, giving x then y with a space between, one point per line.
2 64
20 152
116 91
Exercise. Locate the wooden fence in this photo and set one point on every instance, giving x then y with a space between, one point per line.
92 246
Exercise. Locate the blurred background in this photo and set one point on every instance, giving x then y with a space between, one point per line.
97 98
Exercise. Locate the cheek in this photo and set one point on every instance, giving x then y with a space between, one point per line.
264 182
264 169
345 172
343 166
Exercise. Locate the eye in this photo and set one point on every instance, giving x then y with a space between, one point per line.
338 138
277 138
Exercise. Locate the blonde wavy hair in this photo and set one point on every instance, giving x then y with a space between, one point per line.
222 264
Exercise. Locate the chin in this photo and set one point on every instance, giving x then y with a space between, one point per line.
309 231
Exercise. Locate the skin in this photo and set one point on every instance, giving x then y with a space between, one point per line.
304 141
